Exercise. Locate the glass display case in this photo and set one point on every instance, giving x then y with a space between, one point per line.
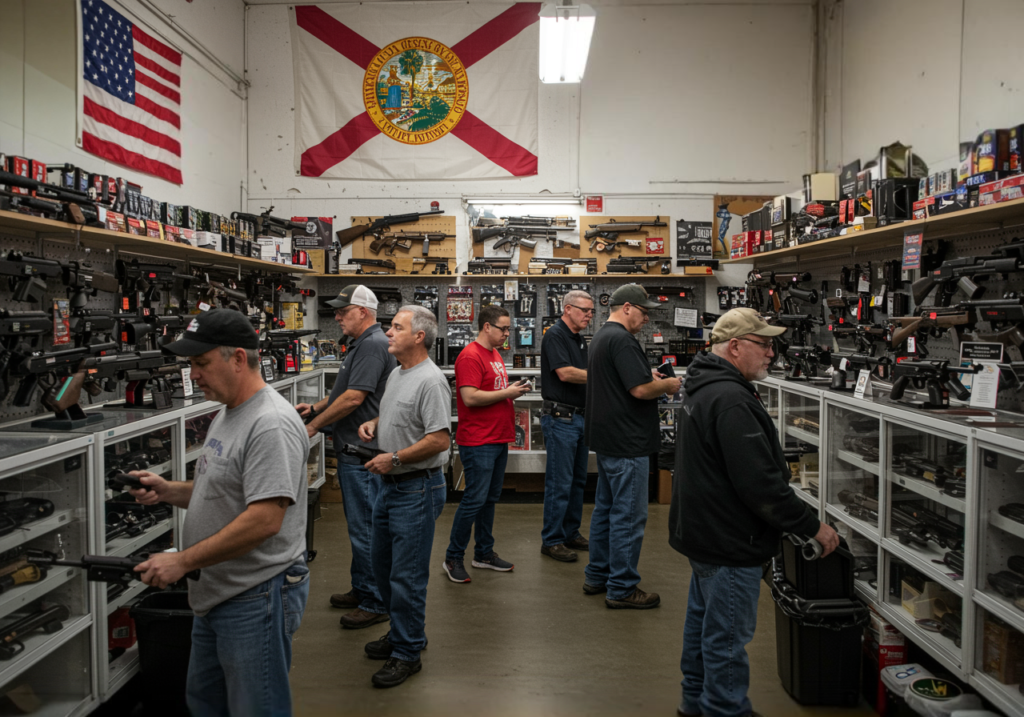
925 609
62 681
799 432
853 460
769 396
309 389
999 661
865 553
926 483
44 481
1000 573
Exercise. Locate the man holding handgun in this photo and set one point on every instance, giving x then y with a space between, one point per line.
486 427
731 503
245 527
563 362
624 435
354 400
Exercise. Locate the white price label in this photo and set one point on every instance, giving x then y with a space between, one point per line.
186 381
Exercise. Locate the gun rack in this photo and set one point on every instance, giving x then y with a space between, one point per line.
995 216
26 225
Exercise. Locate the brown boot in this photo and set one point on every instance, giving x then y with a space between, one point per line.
358 619
578 543
558 552
346 601
638 600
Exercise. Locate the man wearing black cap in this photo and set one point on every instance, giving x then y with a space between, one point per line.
354 400
623 434
245 527
731 502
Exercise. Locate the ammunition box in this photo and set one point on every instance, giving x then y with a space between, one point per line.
170 214
848 180
1016 145
991 151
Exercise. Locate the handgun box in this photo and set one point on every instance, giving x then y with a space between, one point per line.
208 239
991 151
1016 149
19 166
187 236
237 246
100 184
821 187
189 218
154 229
738 246
171 233
754 221
963 170
135 226
781 234
923 187
227 244
1002 651
848 180
921 207
170 214
780 209
115 221
947 203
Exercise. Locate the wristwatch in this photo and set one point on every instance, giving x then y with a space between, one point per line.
395 460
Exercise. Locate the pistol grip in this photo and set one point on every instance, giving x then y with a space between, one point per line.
838 380
935 392
956 388
899 387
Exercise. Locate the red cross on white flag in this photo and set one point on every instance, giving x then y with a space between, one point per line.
415 90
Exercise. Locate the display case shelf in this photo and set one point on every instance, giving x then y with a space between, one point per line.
921 560
995 518
39 644
193 455
127 596
1006 698
941 648
865 592
37 528
864 528
1001 607
318 483
857 461
805 496
803 435
122 669
17 597
123 547
928 490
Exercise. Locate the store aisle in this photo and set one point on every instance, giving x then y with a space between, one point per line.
525 643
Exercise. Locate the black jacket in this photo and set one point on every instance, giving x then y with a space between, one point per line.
731 498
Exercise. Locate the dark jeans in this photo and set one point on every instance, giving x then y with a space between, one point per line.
485 473
617 525
359 488
565 478
242 650
721 615
403 535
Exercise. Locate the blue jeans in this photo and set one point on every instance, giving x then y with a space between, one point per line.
359 489
242 650
485 474
565 478
721 615
617 525
403 534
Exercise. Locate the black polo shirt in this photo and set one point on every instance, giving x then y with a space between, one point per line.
559 348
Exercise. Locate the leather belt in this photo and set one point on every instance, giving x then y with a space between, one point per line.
560 410
402 477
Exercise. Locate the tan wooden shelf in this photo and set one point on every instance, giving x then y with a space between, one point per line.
974 219
132 243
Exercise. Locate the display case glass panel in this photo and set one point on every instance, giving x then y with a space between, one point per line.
1000 573
1000 658
131 526
933 613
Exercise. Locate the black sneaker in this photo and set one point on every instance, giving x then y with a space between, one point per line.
395 672
456 571
493 562
381 649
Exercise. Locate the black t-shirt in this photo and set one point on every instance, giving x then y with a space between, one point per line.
559 348
617 424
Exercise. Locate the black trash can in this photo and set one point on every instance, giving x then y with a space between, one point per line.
163 627
818 646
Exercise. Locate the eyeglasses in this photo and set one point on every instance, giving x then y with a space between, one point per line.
646 313
765 346
589 311
503 329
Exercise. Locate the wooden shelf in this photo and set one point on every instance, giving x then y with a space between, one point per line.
132 243
974 219
570 278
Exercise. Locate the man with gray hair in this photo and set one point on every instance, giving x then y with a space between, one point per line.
414 433
355 399
563 371
731 502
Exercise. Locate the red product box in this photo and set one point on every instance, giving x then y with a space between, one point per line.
135 226
37 170
187 236
115 222
922 207
522 423
988 198
19 166
171 233
153 229
738 248
120 629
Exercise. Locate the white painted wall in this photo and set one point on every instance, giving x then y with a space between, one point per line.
38 70
930 73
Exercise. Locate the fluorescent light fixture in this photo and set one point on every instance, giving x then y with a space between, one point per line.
524 200
565 32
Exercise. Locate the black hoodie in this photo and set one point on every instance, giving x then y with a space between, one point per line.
731 498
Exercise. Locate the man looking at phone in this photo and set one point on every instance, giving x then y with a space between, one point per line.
486 427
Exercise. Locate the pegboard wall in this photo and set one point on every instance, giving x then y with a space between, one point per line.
974 244
661 318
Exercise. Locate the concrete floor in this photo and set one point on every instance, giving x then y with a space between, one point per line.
522 643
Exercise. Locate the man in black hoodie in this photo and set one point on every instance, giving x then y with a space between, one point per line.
731 503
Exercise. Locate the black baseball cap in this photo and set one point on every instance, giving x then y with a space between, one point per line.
210 329
633 294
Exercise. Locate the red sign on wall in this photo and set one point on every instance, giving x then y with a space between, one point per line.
655 246
595 205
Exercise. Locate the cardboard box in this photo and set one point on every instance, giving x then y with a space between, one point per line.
318 260
1002 651
926 603
208 239
664 487
821 187
992 151
154 229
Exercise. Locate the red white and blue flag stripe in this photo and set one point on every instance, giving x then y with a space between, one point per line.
131 101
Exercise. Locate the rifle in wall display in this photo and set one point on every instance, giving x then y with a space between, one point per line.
51 201
381 225
27 275
605 237
266 224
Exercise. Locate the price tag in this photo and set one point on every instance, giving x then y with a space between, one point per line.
657 338
985 386
686 318
864 283
203 306
186 381
268 369
912 345
863 381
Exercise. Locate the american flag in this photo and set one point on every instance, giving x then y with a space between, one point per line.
131 101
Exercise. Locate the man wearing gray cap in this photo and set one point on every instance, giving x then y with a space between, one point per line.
245 527
731 503
355 399
623 433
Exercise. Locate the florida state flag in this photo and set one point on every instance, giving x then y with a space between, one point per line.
430 90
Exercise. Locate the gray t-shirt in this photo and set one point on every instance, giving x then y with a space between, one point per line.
417 401
252 452
366 368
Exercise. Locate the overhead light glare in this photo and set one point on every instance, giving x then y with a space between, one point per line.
565 33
